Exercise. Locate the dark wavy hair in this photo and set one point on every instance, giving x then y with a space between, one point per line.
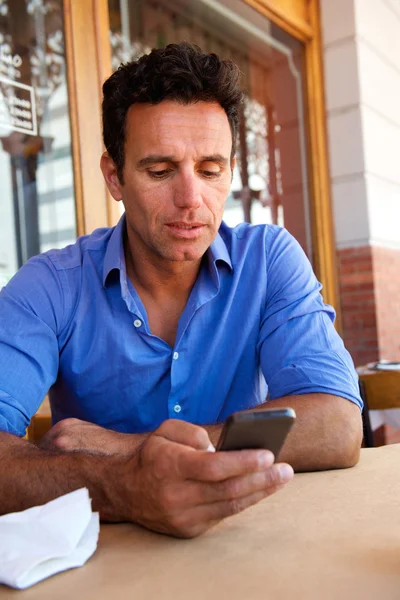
178 72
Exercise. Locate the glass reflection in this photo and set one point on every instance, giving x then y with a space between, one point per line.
37 201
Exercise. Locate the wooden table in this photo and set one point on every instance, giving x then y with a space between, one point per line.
327 535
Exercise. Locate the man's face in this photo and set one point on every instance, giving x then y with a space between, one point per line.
177 176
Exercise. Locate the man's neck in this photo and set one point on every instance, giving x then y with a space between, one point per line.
160 278
164 288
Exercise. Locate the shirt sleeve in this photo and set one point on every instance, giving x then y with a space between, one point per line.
31 309
300 350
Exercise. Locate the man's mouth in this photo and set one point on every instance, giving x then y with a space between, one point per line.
185 225
185 230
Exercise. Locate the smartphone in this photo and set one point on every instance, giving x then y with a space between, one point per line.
254 429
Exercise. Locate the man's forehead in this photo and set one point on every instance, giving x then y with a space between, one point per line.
173 114
169 123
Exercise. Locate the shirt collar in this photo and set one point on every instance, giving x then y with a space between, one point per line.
219 251
114 257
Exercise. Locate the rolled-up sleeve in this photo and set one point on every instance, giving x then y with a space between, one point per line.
300 350
31 307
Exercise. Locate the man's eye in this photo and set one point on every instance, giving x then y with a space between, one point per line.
211 174
159 174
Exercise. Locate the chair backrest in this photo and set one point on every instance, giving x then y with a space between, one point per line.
382 388
368 436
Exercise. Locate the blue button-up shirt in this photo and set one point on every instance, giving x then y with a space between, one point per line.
72 322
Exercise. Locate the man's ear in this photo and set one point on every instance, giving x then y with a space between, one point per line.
233 164
110 174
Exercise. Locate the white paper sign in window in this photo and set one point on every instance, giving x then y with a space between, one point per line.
17 107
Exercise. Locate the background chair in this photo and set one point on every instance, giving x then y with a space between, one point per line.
368 436
380 390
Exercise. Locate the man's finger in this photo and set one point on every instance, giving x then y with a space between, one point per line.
219 466
238 487
220 510
184 433
198 519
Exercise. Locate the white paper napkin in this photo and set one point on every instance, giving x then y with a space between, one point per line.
45 540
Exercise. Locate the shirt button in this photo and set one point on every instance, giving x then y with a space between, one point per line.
177 408
175 355
137 322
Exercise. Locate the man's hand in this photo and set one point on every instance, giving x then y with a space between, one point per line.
170 481
74 435
175 486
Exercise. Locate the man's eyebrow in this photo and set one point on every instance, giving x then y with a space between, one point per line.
218 158
154 159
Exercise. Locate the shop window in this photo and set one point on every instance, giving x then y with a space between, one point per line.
37 207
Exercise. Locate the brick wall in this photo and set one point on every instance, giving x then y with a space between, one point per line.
357 296
387 293
369 283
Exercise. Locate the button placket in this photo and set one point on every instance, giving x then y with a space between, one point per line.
175 407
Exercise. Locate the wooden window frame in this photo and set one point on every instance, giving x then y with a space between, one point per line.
88 57
301 19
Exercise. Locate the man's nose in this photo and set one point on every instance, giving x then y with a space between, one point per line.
187 193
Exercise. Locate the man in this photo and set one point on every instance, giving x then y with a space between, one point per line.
150 334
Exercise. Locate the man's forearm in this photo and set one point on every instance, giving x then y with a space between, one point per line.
327 433
30 476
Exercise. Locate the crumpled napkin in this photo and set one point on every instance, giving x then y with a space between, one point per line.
45 540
